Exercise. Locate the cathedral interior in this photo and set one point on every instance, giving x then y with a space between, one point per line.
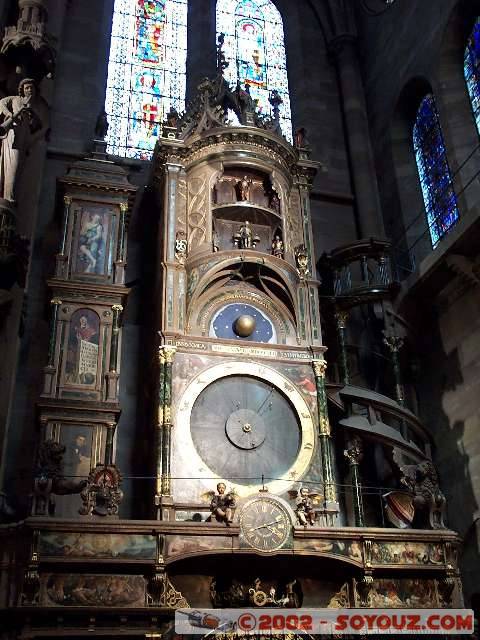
239 309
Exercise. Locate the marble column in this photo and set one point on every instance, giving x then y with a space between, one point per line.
331 501
354 454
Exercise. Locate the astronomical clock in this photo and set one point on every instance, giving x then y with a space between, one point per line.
240 396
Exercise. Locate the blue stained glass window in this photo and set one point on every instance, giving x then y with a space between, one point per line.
254 47
471 67
433 170
146 72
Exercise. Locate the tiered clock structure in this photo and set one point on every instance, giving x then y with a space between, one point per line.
79 407
240 395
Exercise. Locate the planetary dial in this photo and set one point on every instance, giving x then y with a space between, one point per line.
243 427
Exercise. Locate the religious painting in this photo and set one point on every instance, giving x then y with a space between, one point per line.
180 545
394 593
97 545
70 590
147 73
77 460
351 549
408 553
91 255
83 348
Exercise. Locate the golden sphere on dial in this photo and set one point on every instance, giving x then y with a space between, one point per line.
244 326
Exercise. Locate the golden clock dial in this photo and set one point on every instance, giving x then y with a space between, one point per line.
265 524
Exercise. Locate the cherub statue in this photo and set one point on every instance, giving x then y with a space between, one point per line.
223 504
306 503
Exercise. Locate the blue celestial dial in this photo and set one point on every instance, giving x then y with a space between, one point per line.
240 321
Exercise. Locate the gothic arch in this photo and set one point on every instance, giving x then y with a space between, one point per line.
406 207
255 49
453 103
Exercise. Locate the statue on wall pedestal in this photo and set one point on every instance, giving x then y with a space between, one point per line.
25 121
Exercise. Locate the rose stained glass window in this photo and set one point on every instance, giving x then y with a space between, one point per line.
471 67
433 170
146 72
254 47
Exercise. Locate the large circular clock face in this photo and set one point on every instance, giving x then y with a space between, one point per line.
243 428
265 524
227 323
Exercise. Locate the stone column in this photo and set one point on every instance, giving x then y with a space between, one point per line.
364 177
201 37
331 502
341 320
354 454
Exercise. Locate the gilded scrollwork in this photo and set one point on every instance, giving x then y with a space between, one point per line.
197 211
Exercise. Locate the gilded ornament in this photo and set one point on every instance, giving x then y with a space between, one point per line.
319 368
244 326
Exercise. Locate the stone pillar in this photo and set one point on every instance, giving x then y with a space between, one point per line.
201 37
364 177
331 502
354 454
341 320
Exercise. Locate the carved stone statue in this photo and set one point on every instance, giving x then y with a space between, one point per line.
223 504
101 126
305 509
277 247
244 188
245 238
24 122
422 480
50 480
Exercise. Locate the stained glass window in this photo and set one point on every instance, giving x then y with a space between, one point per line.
433 170
146 72
255 49
471 67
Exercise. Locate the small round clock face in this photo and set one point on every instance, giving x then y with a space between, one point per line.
223 324
265 524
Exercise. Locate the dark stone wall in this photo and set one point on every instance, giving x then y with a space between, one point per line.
409 50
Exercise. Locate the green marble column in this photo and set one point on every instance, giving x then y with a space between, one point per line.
55 302
169 353
354 454
319 368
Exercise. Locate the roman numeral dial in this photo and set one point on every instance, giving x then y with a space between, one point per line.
265 524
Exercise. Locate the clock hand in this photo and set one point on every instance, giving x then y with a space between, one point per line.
266 525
